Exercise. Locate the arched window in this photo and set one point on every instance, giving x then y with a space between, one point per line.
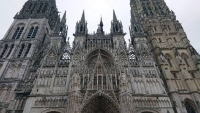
32 33
168 58
11 48
28 49
21 51
35 32
189 107
81 29
4 50
185 58
116 27
18 33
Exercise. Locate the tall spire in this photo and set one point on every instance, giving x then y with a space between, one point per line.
114 15
83 16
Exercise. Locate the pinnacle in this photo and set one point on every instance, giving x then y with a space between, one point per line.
114 15
64 17
83 16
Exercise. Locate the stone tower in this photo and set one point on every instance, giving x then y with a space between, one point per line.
22 49
177 60
156 72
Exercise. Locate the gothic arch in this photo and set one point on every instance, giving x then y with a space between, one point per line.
34 24
100 102
103 52
147 111
20 25
184 56
53 111
190 106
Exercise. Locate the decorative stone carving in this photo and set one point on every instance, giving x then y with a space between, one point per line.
13 70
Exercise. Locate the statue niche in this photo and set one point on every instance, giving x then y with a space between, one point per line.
76 82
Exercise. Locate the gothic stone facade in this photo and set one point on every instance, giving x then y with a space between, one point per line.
156 72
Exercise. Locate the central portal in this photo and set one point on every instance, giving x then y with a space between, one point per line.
100 104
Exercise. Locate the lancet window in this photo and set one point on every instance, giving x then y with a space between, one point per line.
28 49
4 50
21 51
18 33
33 31
11 48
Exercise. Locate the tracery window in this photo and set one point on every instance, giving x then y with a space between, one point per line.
18 33
145 56
33 31
4 50
65 56
132 56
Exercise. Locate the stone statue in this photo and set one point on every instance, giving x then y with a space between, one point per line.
162 57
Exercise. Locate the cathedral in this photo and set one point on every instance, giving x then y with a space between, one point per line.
157 71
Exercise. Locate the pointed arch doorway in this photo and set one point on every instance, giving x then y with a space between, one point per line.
100 104
190 107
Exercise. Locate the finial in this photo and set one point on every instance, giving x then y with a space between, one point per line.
83 16
64 17
114 15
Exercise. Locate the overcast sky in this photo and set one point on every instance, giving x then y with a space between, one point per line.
187 12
